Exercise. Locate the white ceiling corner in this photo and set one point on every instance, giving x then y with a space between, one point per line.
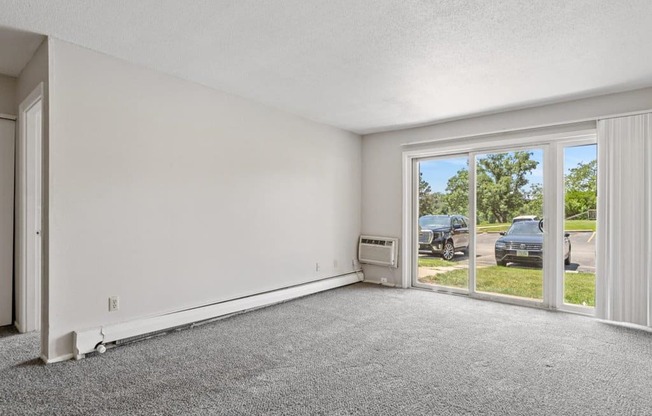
16 49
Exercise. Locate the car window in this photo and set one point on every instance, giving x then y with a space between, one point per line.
456 221
524 228
435 221
463 221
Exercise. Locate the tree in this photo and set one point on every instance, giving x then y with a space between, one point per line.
502 181
581 188
534 201
502 188
456 200
583 177
427 201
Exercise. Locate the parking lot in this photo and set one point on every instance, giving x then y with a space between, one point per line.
582 251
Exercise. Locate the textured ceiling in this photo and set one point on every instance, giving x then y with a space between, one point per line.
369 65
16 49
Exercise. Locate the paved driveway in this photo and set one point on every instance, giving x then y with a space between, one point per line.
582 251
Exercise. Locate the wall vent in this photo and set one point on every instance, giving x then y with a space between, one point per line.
381 251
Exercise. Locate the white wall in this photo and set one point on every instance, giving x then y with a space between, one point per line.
8 95
172 195
35 71
382 154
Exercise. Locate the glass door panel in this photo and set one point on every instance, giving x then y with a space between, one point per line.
443 223
509 233
580 197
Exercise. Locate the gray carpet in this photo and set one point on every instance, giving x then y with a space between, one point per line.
362 349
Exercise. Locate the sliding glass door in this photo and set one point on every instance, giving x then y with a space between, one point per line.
443 223
509 216
580 225
513 224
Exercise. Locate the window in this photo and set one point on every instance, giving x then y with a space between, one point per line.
533 210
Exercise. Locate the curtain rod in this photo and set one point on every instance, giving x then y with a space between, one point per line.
633 113
7 117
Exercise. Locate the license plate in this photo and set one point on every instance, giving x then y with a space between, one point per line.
522 253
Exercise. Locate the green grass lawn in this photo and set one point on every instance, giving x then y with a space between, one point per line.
434 262
580 225
484 227
522 282
571 225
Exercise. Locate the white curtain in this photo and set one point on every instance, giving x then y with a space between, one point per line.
625 219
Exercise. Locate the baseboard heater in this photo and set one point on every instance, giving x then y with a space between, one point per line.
91 340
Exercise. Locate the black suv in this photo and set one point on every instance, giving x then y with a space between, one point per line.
443 235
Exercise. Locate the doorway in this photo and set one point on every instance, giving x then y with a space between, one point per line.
520 215
443 211
510 228
28 235
7 149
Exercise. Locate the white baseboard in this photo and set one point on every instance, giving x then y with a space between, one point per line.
85 341
378 282
626 325
65 357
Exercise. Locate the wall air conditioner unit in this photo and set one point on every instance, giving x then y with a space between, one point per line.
381 251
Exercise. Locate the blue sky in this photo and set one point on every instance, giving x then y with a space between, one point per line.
437 172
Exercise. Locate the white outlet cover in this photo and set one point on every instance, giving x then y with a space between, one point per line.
114 303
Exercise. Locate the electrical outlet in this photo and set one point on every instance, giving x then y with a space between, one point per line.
335 265
383 280
114 303
316 267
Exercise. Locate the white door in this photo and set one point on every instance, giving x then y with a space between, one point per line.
28 210
7 139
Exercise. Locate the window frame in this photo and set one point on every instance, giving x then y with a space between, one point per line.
553 145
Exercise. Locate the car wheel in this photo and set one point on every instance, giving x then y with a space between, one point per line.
449 251
501 263
567 261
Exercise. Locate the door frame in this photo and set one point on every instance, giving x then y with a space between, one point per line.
414 281
551 144
560 213
29 203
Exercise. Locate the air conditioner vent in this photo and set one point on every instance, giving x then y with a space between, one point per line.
377 242
381 251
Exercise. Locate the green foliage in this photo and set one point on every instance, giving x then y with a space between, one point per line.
533 201
504 191
569 225
427 200
502 188
580 225
581 188
583 177
579 288
456 198
431 203
502 184
434 262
